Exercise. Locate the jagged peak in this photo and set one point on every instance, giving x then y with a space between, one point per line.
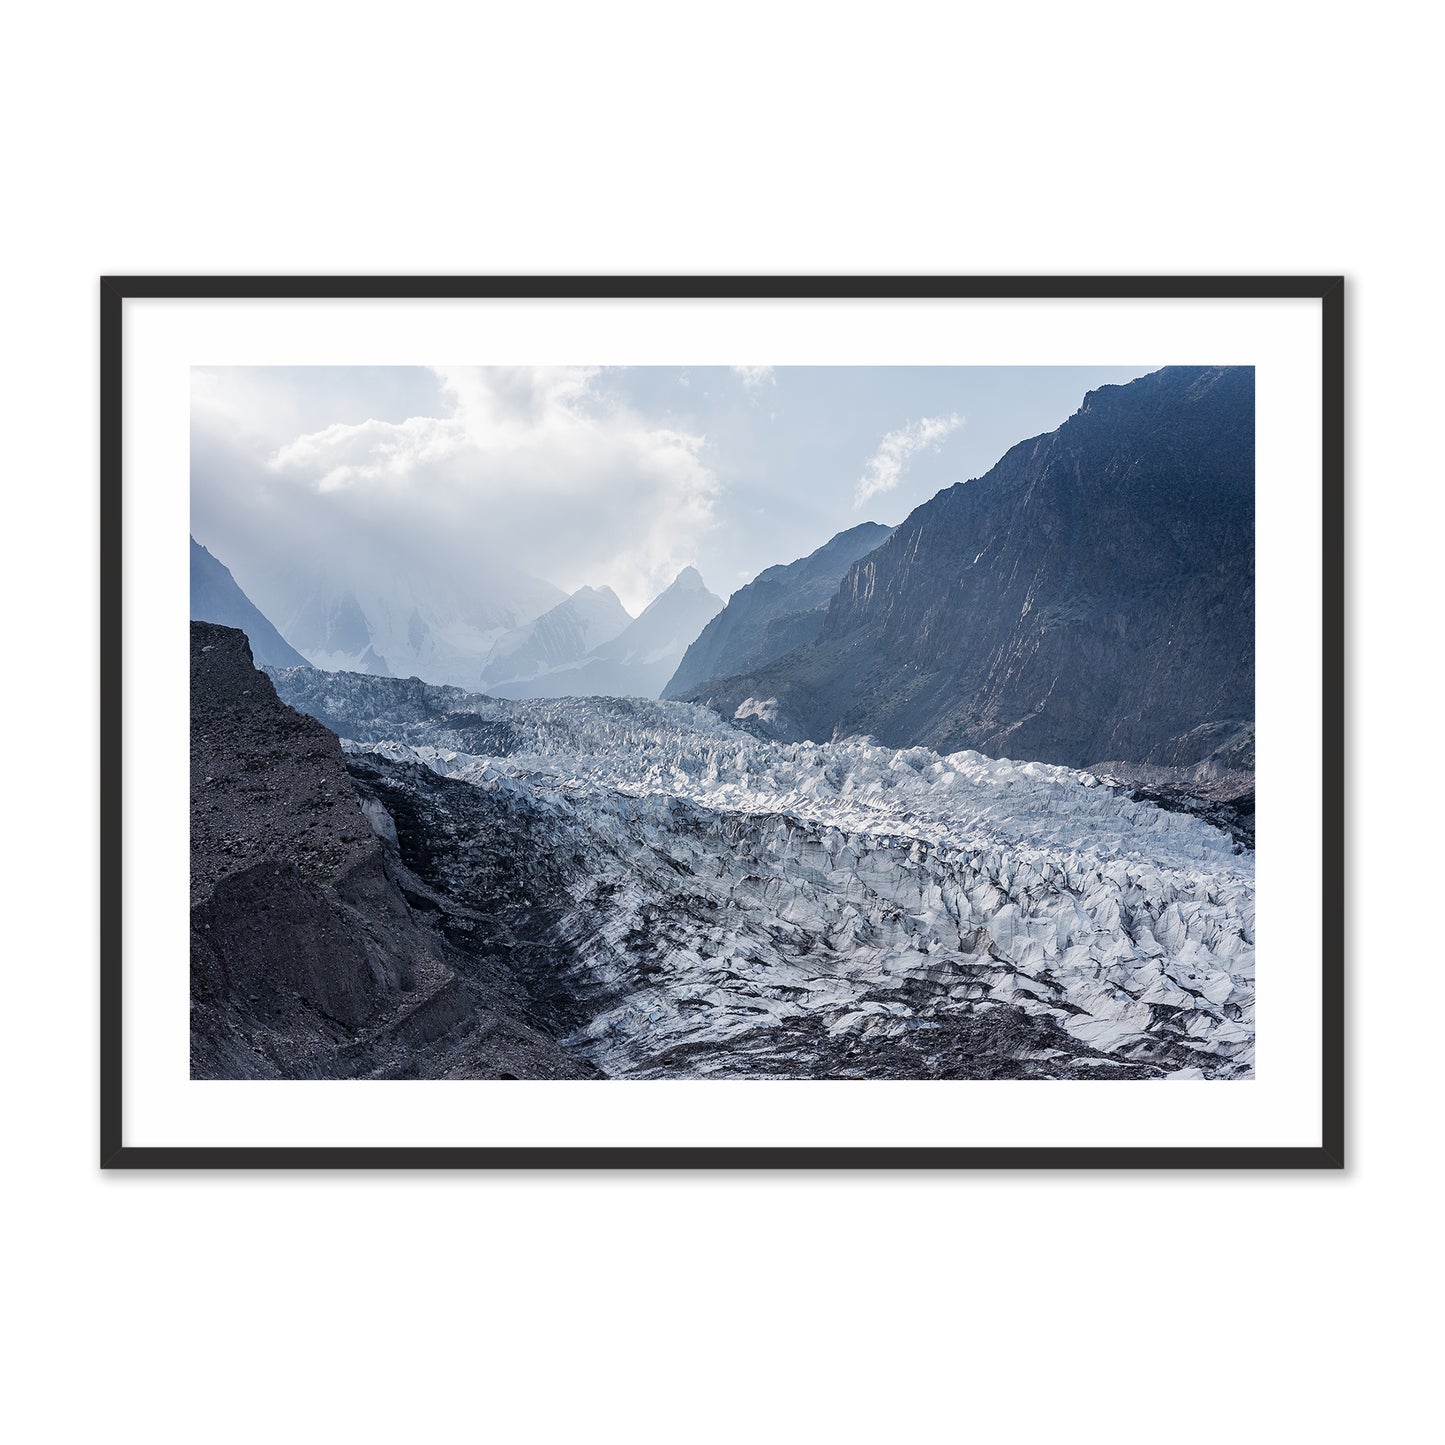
687 585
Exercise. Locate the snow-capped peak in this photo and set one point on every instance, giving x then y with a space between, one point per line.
689 580
561 637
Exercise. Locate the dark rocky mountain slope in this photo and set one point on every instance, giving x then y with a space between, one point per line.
781 609
217 597
1089 598
315 953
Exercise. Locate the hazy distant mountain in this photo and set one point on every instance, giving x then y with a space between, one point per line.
1091 598
780 609
216 597
641 658
335 635
560 637
433 626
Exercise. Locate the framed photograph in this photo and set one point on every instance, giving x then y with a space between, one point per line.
586 722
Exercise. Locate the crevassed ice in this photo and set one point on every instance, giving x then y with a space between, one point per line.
879 890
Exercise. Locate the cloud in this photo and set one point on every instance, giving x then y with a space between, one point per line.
754 378
541 470
885 468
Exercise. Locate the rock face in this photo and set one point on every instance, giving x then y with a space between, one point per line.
641 658
561 637
692 901
308 956
780 609
216 597
1091 597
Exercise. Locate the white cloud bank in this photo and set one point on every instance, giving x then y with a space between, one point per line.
886 466
531 469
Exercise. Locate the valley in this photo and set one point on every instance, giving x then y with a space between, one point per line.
971 797
698 902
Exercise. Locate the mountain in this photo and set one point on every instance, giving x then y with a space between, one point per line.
407 622
315 952
693 901
1089 598
336 635
780 609
558 638
641 658
216 597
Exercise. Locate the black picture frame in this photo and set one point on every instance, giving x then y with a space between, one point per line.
1328 290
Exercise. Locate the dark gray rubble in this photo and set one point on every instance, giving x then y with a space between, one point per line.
314 952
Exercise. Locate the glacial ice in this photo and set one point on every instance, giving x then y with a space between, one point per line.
740 905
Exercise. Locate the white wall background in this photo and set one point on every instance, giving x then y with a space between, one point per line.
747 137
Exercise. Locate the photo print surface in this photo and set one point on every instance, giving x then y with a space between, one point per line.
708 722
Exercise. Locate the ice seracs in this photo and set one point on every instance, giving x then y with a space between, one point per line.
721 904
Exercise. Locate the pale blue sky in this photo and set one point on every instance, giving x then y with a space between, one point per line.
792 450
582 475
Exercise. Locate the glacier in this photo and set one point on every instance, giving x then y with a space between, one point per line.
709 903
